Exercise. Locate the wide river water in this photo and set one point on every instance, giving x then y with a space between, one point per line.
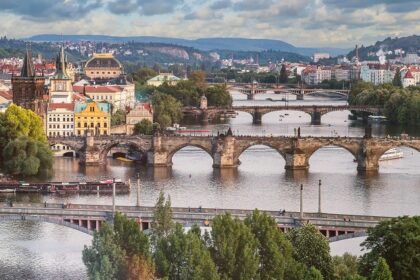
31 250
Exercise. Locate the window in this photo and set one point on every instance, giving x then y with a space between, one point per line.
58 126
72 119
99 124
53 119
105 132
85 125
49 119
78 125
53 125
49 126
105 125
49 133
92 125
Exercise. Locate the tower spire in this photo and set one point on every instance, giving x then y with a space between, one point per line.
60 65
27 67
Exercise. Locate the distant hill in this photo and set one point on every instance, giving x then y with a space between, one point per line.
408 44
205 44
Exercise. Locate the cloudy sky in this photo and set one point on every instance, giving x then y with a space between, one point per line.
339 23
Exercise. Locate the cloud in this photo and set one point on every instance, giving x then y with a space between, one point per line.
252 5
158 7
42 10
122 7
221 4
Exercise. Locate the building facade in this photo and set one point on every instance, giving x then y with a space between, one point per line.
168 78
313 75
60 119
92 117
140 112
103 66
377 74
410 76
29 89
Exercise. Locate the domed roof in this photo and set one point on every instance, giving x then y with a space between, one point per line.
103 60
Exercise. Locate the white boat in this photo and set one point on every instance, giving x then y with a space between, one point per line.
392 154
377 118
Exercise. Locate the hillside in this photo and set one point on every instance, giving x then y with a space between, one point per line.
408 44
204 44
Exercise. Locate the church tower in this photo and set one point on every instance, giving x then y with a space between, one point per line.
28 89
60 85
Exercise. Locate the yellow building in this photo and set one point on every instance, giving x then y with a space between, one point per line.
93 117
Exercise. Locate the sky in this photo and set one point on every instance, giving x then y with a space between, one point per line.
303 23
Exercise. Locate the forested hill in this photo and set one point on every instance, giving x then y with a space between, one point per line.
408 44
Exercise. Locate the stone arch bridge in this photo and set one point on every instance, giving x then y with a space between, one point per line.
315 111
225 150
89 218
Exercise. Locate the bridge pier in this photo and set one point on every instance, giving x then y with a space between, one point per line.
256 117
91 154
250 96
224 155
315 118
296 161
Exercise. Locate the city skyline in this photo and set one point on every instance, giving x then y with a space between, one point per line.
313 23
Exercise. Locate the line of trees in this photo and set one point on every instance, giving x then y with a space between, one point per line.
249 249
24 150
401 106
168 100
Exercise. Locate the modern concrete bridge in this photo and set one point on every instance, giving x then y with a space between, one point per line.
225 150
257 112
88 218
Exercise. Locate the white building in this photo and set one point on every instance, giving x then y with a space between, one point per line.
60 119
342 73
377 74
313 75
120 96
411 58
410 76
318 56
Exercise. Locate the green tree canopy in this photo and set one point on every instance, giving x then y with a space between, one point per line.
345 266
274 250
234 249
25 157
143 127
397 241
283 74
104 259
181 256
381 271
118 118
312 249
313 274
162 217
167 110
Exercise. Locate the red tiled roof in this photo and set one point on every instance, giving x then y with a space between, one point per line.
93 89
408 75
68 106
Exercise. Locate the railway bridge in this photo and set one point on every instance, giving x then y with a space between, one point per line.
225 149
88 218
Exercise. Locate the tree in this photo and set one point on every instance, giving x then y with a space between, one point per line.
234 249
144 74
283 74
381 271
104 259
118 118
218 96
313 274
397 241
162 217
167 110
184 256
198 78
145 127
312 249
25 157
397 78
345 266
274 250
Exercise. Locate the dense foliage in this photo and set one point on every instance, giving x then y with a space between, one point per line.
400 105
143 127
166 109
252 249
118 118
23 144
398 242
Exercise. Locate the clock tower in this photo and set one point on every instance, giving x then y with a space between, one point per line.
60 85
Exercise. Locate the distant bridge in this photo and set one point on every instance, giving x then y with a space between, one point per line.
225 150
251 89
315 111
88 218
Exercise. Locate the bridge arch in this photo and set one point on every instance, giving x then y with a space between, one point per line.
73 147
175 149
278 111
46 219
105 150
241 149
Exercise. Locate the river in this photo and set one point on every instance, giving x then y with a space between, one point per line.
44 251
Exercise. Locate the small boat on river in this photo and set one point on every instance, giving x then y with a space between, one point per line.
392 154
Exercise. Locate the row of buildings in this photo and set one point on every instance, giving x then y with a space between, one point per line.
69 108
